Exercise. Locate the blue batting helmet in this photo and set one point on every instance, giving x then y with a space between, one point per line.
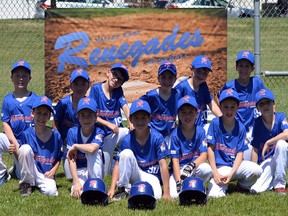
94 192
193 192
141 196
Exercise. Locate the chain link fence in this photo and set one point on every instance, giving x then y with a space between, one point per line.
22 35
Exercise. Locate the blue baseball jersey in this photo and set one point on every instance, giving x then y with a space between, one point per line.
74 137
17 114
149 155
261 134
247 112
203 98
226 145
163 112
46 154
65 115
187 150
109 109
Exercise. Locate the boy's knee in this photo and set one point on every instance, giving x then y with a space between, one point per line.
126 154
282 146
25 150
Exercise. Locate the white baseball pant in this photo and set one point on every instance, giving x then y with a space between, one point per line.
110 143
129 173
274 170
246 175
4 147
30 174
203 171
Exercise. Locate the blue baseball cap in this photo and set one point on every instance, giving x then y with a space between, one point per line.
42 101
264 94
123 68
201 61
246 54
139 105
79 73
229 93
167 66
21 63
187 100
87 103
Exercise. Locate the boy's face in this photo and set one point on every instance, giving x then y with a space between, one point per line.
229 108
166 80
140 120
187 115
265 106
41 115
87 118
116 78
79 86
20 77
200 75
244 68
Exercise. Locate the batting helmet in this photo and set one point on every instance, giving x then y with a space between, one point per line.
141 196
94 192
192 192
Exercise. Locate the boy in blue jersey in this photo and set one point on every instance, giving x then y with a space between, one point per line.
40 152
188 149
163 100
270 147
66 109
110 99
84 145
196 87
141 156
15 115
225 138
246 86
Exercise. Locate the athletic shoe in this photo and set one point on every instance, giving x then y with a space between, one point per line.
243 190
5 178
280 191
26 189
121 194
12 172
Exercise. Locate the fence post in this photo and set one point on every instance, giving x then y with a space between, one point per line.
257 37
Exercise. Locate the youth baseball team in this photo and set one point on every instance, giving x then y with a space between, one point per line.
168 137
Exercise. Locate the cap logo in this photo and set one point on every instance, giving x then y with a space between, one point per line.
245 54
262 92
229 92
44 99
204 60
192 183
86 101
79 71
93 184
141 187
185 98
21 63
139 103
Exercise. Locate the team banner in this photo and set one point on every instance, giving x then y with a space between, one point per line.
95 39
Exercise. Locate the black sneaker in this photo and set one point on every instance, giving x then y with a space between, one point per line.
26 189
121 194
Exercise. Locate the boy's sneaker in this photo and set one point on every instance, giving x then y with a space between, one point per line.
26 189
121 193
5 178
280 191
12 172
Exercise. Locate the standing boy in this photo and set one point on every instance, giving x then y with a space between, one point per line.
225 139
163 100
246 86
15 115
110 99
196 87
188 149
141 156
40 152
270 147
84 145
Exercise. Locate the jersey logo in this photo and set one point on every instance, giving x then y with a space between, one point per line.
204 60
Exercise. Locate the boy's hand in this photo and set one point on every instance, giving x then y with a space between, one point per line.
218 178
226 179
72 153
265 150
50 174
114 128
166 196
13 148
131 126
77 188
111 193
